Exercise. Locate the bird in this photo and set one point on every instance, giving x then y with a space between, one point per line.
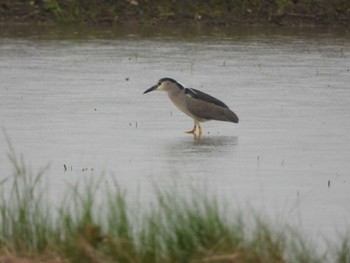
196 104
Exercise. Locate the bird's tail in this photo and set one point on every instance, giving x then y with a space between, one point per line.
231 116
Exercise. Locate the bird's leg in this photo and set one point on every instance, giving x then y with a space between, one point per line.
200 129
193 130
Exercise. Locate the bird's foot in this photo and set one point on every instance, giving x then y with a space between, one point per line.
193 131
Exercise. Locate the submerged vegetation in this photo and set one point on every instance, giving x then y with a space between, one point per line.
217 12
175 228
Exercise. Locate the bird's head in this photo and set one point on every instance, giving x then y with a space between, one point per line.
166 84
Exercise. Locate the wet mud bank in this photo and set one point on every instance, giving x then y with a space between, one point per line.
209 12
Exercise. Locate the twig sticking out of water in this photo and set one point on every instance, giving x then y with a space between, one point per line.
130 124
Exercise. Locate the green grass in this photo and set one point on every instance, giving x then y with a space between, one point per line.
217 12
88 227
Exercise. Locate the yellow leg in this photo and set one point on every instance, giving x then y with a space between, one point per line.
200 129
193 130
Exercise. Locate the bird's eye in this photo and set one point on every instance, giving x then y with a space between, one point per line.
158 84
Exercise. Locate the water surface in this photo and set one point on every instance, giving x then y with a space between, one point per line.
73 98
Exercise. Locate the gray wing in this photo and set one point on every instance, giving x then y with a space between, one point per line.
206 107
197 94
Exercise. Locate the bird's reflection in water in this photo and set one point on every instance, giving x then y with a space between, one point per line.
195 146
215 141
197 155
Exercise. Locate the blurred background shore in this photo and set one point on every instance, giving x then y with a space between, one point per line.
208 12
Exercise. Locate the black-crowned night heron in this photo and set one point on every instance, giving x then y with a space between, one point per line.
196 104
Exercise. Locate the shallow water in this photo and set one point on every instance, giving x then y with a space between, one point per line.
74 99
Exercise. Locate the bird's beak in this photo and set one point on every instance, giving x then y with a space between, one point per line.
151 89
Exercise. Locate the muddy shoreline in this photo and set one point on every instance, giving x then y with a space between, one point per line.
216 13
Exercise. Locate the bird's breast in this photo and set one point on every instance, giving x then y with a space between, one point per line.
179 101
